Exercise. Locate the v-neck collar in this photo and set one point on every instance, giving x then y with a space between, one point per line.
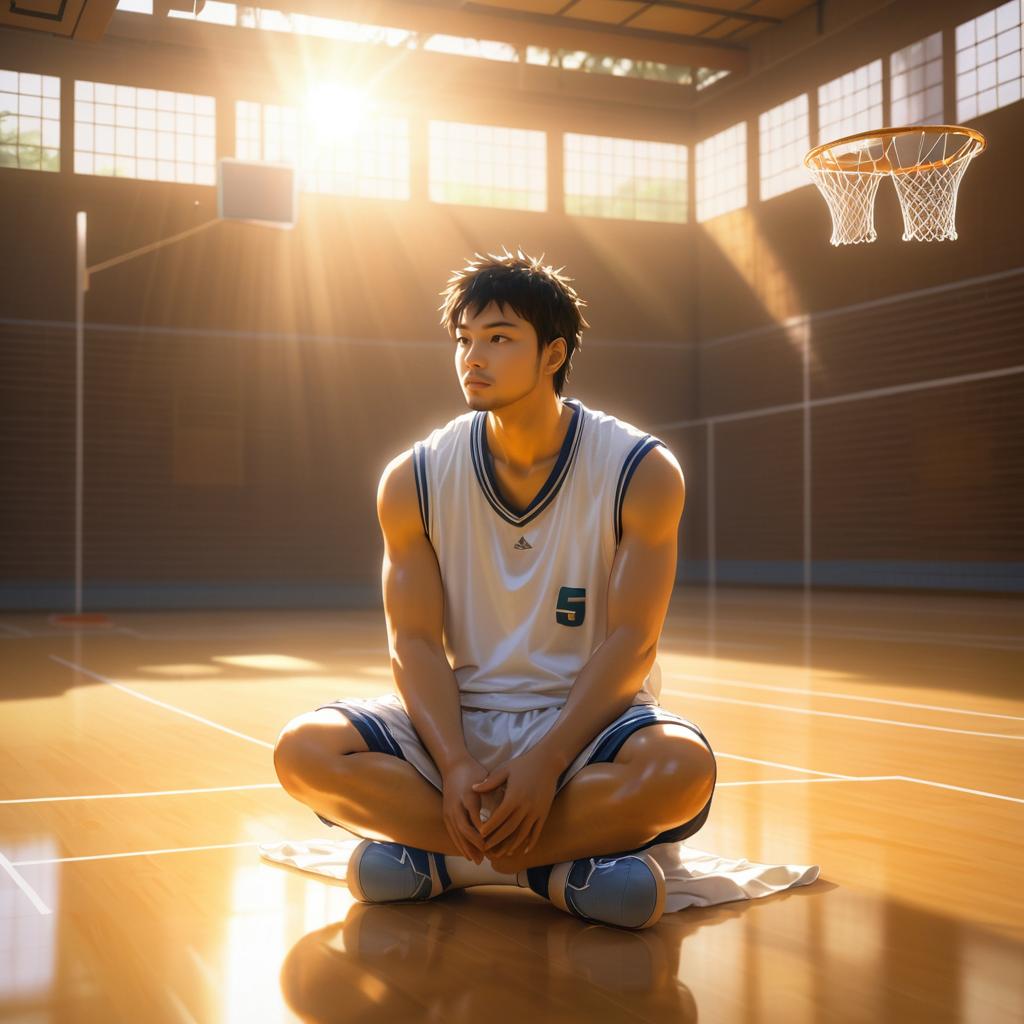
484 468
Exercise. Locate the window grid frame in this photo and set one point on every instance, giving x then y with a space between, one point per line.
620 152
989 61
917 64
291 141
779 180
176 130
473 143
851 103
30 103
728 147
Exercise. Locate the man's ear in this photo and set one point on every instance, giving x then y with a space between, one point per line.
565 350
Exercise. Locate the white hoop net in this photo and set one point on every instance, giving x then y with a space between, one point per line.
926 166
851 201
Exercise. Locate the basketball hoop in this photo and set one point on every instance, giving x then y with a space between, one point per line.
925 162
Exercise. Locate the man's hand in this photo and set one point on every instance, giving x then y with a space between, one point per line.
461 807
516 823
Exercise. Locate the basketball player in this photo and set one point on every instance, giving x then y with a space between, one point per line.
529 559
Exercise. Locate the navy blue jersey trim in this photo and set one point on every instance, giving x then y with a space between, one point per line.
488 481
419 465
633 459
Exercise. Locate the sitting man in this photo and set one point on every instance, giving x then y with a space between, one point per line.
529 559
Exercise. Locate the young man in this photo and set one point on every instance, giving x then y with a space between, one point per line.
530 555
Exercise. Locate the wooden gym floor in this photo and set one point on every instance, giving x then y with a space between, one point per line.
880 736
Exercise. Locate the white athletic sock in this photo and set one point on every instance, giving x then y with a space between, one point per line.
465 873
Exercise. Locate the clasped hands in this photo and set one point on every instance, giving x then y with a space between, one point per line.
516 823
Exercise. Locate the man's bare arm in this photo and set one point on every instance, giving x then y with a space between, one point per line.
414 609
639 591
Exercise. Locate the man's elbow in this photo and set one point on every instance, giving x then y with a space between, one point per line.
639 643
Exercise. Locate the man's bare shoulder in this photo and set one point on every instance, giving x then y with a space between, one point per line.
398 507
656 495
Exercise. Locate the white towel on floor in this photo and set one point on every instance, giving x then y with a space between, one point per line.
693 878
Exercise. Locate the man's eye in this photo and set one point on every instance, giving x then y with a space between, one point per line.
493 336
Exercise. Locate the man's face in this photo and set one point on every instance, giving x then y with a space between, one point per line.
500 348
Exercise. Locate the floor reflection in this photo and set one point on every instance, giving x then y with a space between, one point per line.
507 959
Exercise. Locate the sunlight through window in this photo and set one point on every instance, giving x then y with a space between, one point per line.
126 132
627 178
487 165
29 121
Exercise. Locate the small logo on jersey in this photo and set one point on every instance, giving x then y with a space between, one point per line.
572 606
522 544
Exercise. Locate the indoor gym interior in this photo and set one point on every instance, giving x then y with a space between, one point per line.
191 554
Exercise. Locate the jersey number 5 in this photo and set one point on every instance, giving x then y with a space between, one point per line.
572 606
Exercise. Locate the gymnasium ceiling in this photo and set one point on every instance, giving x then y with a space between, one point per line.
712 34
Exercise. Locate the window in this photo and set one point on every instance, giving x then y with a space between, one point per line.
484 165
368 157
722 172
784 141
609 177
916 76
144 133
851 103
265 131
29 121
988 61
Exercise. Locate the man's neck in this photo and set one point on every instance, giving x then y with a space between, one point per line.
522 438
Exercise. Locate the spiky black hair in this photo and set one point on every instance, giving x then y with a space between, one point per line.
539 294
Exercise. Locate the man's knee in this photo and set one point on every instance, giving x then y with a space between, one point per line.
312 746
674 765
291 753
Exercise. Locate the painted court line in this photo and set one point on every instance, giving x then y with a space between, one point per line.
958 789
24 886
123 796
837 714
234 846
736 757
159 703
984 641
132 853
779 764
744 684
806 782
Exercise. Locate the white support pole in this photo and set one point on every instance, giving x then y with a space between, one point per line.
81 286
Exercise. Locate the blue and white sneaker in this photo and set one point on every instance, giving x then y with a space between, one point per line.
380 872
627 891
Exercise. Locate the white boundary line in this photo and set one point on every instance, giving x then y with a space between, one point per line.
124 796
133 853
788 767
974 641
783 782
159 703
234 846
24 886
839 714
701 678
995 606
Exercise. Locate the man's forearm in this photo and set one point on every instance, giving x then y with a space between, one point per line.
605 688
430 692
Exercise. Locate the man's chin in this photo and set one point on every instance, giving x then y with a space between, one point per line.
477 396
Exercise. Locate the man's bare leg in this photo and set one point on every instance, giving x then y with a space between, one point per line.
602 809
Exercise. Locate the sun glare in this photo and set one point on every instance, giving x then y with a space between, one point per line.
334 113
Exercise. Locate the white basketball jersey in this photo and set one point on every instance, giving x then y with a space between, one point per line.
526 592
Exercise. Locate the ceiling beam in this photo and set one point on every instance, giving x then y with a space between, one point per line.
722 12
524 28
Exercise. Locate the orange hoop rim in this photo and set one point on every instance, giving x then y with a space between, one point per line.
975 143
